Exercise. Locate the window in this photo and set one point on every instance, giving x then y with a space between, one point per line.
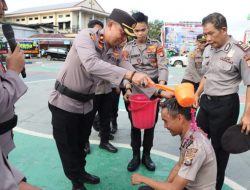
17 19
36 18
67 15
23 19
60 16
60 26
67 25
30 18
44 17
50 16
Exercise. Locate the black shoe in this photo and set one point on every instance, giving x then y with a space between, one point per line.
149 164
109 147
134 163
87 148
111 137
145 188
80 188
88 178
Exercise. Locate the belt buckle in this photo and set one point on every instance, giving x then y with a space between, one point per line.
209 97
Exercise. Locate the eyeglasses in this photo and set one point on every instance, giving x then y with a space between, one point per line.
141 30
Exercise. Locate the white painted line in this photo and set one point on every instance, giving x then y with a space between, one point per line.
228 181
38 81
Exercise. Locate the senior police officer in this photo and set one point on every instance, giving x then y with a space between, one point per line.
146 56
219 105
194 71
196 168
71 101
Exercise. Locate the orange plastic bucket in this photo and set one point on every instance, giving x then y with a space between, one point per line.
143 111
184 94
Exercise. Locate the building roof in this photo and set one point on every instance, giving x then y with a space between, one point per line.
45 8
80 4
49 35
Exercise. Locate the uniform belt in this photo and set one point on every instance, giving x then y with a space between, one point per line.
72 94
219 98
8 125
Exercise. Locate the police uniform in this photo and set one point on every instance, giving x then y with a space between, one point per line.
219 105
71 102
148 58
198 161
12 88
194 72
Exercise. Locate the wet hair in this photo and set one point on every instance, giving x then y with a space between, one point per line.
92 23
140 17
174 108
217 19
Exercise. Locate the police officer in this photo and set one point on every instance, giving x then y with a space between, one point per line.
196 168
194 72
146 56
71 102
219 105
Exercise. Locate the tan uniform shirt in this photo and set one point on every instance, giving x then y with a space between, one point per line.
12 88
225 68
198 161
194 70
147 58
83 68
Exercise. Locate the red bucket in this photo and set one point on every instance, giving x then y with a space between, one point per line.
143 111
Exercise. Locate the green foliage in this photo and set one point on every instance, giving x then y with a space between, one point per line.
155 29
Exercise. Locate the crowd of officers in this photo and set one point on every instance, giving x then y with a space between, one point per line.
101 59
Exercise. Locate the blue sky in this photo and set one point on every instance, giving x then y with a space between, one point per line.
236 12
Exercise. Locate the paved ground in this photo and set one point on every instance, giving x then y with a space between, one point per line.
35 116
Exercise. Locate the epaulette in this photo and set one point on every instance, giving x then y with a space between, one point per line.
243 46
192 54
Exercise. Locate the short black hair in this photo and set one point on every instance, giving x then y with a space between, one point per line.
92 23
174 108
140 17
217 19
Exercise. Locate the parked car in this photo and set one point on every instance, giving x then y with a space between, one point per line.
178 60
56 53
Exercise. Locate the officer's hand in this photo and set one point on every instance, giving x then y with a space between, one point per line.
136 179
127 95
247 57
196 100
15 61
25 186
245 121
141 79
165 94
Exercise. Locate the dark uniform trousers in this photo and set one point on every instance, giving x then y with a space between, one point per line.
115 103
70 131
216 114
103 104
136 135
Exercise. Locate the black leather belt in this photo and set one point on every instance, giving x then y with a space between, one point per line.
72 94
8 125
219 98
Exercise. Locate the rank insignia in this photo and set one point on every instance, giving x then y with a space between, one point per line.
243 46
151 49
189 156
125 55
160 51
101 41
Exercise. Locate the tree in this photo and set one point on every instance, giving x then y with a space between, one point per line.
155 29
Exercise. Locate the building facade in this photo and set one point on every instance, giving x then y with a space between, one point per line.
67 18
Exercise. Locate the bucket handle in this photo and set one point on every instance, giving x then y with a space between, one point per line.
144 105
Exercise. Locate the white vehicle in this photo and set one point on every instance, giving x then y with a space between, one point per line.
178 60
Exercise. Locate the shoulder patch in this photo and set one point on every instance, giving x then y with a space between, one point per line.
189 156
243 46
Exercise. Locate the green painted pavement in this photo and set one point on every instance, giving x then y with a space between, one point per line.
38 159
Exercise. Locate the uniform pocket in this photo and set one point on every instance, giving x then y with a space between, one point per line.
224 66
